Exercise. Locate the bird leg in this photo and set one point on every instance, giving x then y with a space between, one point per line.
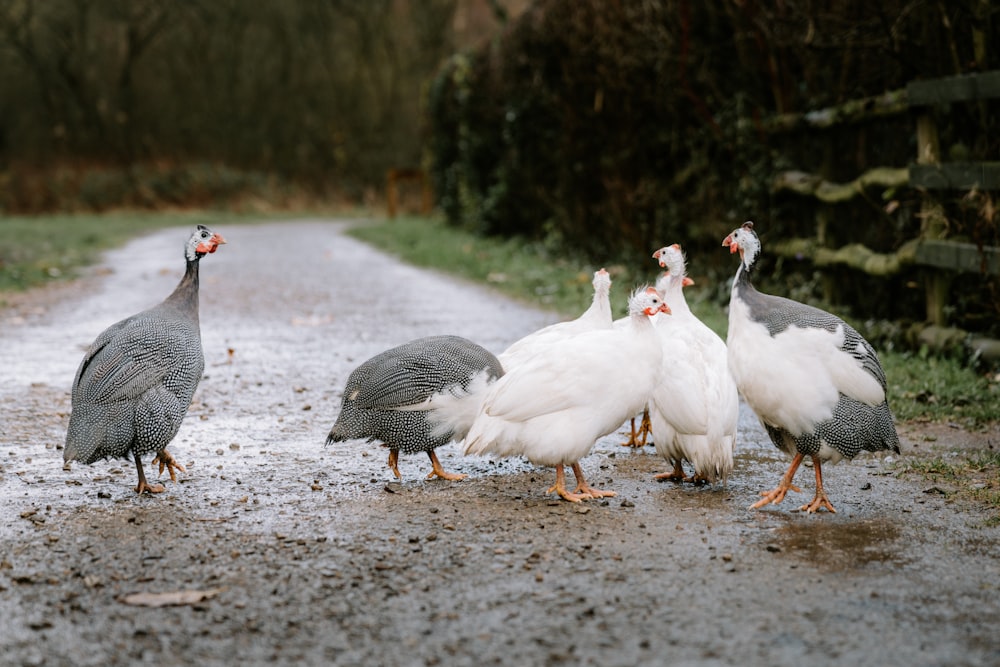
166 460
143 485
586 489
441 472
645 428
394 463
675 475
633 439
560 487
820 500
638 438
776 495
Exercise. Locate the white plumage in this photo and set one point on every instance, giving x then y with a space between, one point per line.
815 383
694 409
597 316
553 407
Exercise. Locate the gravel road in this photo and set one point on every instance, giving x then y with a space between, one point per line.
275 549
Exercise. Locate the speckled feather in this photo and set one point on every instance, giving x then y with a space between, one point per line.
778 313
381 394
135 383
853 424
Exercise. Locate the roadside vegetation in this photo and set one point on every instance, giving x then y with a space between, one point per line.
921 386
37 250
966 476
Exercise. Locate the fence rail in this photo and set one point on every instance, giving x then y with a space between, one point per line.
927 173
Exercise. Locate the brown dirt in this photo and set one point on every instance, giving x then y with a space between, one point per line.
282 550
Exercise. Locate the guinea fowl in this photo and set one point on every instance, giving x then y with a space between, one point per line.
694 409
135 383
815 383
597 316
416 397
552 408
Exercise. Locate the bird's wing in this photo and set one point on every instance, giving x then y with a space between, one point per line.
576 372
836 350
410 378
127 359
680 395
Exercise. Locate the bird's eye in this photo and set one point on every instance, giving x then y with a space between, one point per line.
204 235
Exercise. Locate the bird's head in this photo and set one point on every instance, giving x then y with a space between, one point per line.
602 281
202 242
648 301
744 240
672 259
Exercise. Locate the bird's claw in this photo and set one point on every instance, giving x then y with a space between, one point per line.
444 474
165 460
144 487
566 495
774 496
819 502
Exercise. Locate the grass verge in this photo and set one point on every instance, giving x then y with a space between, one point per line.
920 387
972 476
36 250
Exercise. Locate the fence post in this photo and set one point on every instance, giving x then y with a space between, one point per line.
933 224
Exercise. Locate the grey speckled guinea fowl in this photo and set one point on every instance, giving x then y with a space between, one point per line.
815 383
416 397
135 383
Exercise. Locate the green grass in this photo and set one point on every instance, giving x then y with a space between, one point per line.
36 250
920 387
530 272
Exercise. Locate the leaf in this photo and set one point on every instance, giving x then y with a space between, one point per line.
169 599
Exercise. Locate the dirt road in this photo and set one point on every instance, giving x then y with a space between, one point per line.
283 551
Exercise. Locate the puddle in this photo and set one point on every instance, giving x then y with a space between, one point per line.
833 543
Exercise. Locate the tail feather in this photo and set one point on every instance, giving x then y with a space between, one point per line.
454 409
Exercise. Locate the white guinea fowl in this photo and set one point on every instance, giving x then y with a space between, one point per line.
694 409
597 316
552 408
815 383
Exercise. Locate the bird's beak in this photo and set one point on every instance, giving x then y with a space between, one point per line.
733 247
687 282
656 256
212 244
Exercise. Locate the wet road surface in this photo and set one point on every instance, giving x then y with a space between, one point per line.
290 551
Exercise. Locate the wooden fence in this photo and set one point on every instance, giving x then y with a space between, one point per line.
927 173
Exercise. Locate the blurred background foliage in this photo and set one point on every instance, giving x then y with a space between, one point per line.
144 102
614 127
605 128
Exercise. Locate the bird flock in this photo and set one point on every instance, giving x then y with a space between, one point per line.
813 381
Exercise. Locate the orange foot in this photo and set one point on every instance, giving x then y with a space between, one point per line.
675 475
440 472
817 503
394 463
143 486
638 437
166 460
820 500
775 496
586 489
560 487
